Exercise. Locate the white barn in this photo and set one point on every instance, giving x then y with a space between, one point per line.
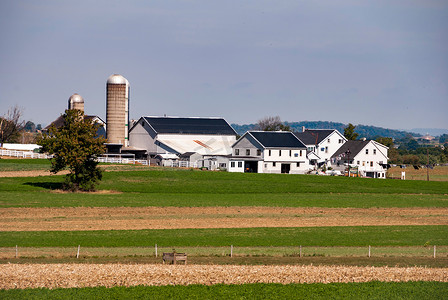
183 136
269 152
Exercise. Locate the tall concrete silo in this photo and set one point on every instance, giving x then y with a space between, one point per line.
76 102
117 110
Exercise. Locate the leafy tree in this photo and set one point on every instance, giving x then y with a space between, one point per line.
443 138
10 126
386 141
411 159
349 132
75 146
30 126
272 124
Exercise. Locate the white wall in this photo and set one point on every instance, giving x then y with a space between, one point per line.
329 146
369 162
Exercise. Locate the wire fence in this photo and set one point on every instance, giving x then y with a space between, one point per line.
230 251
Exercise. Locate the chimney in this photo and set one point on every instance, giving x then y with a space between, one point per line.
303 128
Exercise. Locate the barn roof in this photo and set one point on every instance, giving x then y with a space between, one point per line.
212 126
277 139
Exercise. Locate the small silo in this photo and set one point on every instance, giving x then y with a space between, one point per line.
117 110
76 102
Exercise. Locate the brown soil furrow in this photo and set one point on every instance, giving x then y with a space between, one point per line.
13 276
123 218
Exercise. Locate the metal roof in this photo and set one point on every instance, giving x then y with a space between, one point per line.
277 139
117 79
208 126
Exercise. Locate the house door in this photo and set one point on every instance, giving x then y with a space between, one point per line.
285 168
251 167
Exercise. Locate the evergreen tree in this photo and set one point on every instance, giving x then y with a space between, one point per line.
349 132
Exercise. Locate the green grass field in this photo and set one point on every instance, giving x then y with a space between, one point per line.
369 290
243 237
172 187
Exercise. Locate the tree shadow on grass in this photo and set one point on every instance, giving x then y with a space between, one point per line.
46 185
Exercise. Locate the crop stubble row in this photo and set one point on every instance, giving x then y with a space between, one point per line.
20 276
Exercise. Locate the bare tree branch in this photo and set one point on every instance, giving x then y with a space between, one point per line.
11 125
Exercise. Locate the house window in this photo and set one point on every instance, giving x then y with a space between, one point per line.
296 154
300 152
240 164
326 149
258 152
340 141
279 152
265 166
357 162
247 151
222 165
269 152
374 151
232 164
367 151
237 151
363 163
322 149
298 164
328 140
371 163
273 164
290 152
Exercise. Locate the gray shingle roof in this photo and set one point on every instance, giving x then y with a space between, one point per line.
354 146
277 139
313 136
214 126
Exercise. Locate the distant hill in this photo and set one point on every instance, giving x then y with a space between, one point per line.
430 131
369 132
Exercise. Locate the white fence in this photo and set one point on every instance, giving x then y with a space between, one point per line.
122 160
104 159
23 154
179 164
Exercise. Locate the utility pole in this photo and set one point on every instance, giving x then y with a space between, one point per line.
348 157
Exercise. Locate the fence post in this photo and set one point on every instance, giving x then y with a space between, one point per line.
369 250
17 252
300 252
231 250
434 251
77 254
156 250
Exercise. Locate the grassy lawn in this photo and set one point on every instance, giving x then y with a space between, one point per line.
368 290
171 187
24 165
239 237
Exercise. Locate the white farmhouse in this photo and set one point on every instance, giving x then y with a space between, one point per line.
191 138
370 157
321 144
269 152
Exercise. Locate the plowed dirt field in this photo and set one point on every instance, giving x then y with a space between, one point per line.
13 276
125 218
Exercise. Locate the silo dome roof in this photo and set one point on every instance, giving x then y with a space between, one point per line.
117 79
76 98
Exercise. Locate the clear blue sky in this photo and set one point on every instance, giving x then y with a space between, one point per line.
382 62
